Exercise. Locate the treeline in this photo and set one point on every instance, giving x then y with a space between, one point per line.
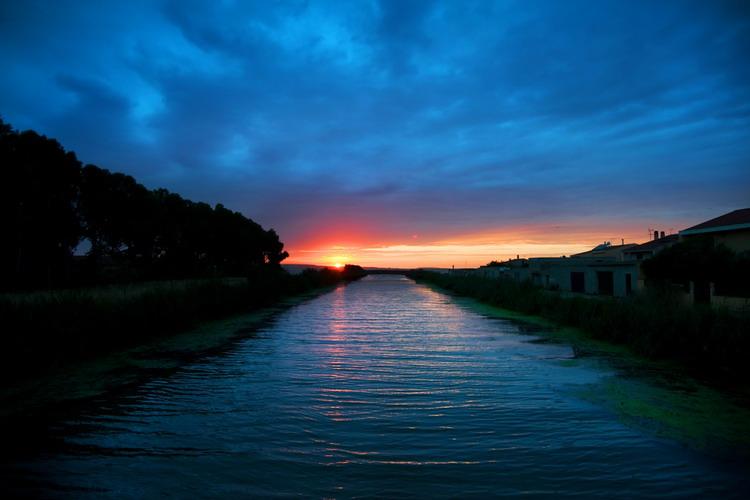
167 261
658 324
52 205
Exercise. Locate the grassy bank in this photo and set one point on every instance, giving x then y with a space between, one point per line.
708 342
46 330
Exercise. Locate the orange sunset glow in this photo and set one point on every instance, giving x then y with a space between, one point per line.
467 250
380 248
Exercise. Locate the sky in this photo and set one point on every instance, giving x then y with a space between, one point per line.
402 133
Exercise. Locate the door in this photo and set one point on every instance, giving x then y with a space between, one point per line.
577 282
606 282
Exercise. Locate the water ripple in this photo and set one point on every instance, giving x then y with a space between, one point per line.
383 388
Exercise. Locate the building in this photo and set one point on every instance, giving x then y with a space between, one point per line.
651 248
731 229
615 270
603 270
644 251
517 269
606 252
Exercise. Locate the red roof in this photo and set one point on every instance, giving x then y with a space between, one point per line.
739 217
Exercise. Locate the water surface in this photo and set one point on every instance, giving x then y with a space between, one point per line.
383 388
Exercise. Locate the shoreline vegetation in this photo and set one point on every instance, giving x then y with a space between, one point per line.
48 330
95 263
711 344
71 381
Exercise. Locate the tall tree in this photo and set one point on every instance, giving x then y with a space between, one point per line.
49 203
39 206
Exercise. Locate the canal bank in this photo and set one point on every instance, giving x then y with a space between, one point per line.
207 317
661 396
711 344
388 388
658 396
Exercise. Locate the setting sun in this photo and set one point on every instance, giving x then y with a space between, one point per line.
338 265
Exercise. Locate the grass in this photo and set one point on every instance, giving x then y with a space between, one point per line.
111 371
708 342
45 331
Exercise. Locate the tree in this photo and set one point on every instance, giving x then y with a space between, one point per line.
39 209
49 203
701 261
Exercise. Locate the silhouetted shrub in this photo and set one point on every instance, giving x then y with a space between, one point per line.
700 260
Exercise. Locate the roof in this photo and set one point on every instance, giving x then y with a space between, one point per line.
732 221
608 251
652 245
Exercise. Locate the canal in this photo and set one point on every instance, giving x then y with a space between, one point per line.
388 388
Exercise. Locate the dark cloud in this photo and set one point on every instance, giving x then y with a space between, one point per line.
414 116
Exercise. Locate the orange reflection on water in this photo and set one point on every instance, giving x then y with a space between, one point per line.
336 358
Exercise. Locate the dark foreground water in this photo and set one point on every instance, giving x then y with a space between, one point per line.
383 388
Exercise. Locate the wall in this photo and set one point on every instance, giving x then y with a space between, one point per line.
558 271
618 273
739 241
732 303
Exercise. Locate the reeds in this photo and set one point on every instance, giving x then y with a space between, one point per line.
656 323
43 330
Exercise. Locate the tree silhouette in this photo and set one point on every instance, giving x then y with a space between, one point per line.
50 203
701 260
39 209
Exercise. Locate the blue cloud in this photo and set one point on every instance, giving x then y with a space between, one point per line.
435 115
